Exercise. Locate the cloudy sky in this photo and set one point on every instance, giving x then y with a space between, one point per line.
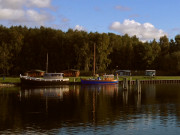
147 19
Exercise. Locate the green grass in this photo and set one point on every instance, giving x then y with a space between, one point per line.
78 79
10 80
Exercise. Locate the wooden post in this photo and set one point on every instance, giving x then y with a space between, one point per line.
125 83
130 79
138 86
138 100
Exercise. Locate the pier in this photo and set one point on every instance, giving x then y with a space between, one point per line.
132 82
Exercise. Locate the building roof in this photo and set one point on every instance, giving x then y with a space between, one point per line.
123 70
35 70
74 70
150 70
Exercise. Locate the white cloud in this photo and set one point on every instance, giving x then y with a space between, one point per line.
33 15
12 4
79 28
33 12
40 3
11 14
144 31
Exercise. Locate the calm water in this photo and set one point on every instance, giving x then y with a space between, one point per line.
100 109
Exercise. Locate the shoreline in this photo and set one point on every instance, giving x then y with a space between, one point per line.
132 82
10 82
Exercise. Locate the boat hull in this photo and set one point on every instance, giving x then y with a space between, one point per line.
42 82
85 81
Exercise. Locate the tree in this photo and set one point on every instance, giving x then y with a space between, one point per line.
103 50
115 43
143 56
81 50
155 54
5 56
173 46
16 42
164 44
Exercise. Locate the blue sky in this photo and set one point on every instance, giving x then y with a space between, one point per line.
147 19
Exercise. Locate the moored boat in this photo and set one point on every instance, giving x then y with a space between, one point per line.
107 79
49 79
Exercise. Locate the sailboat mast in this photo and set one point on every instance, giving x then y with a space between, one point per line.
47 64
94 59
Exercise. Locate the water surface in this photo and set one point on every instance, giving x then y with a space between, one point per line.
91 109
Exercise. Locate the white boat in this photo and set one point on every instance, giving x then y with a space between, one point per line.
49 79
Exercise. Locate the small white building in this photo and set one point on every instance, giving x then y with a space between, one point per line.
150 72
123 72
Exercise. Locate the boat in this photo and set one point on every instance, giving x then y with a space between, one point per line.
49 79
107 79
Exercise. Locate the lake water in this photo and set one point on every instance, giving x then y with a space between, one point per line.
91 109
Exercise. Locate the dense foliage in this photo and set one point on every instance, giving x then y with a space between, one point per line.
23 49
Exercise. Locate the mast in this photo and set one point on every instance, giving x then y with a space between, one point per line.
47 64
94 59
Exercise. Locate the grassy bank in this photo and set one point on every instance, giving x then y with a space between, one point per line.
78 79
9 80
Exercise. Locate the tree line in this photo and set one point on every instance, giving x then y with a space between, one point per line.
23 49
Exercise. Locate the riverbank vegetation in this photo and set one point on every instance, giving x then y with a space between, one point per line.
23 49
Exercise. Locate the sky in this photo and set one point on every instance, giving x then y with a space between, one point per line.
147 19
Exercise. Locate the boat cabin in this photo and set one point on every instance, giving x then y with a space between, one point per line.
108 77
35 73
150 72
53 76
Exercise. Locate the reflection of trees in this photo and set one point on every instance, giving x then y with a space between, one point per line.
87 104
9 111
161 101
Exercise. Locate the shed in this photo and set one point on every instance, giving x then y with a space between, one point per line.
71 73
35 73
123 72
150 72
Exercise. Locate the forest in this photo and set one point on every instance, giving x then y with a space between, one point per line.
23 49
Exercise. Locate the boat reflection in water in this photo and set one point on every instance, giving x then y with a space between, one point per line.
46 99
96 95
114 91
107 89
49 92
